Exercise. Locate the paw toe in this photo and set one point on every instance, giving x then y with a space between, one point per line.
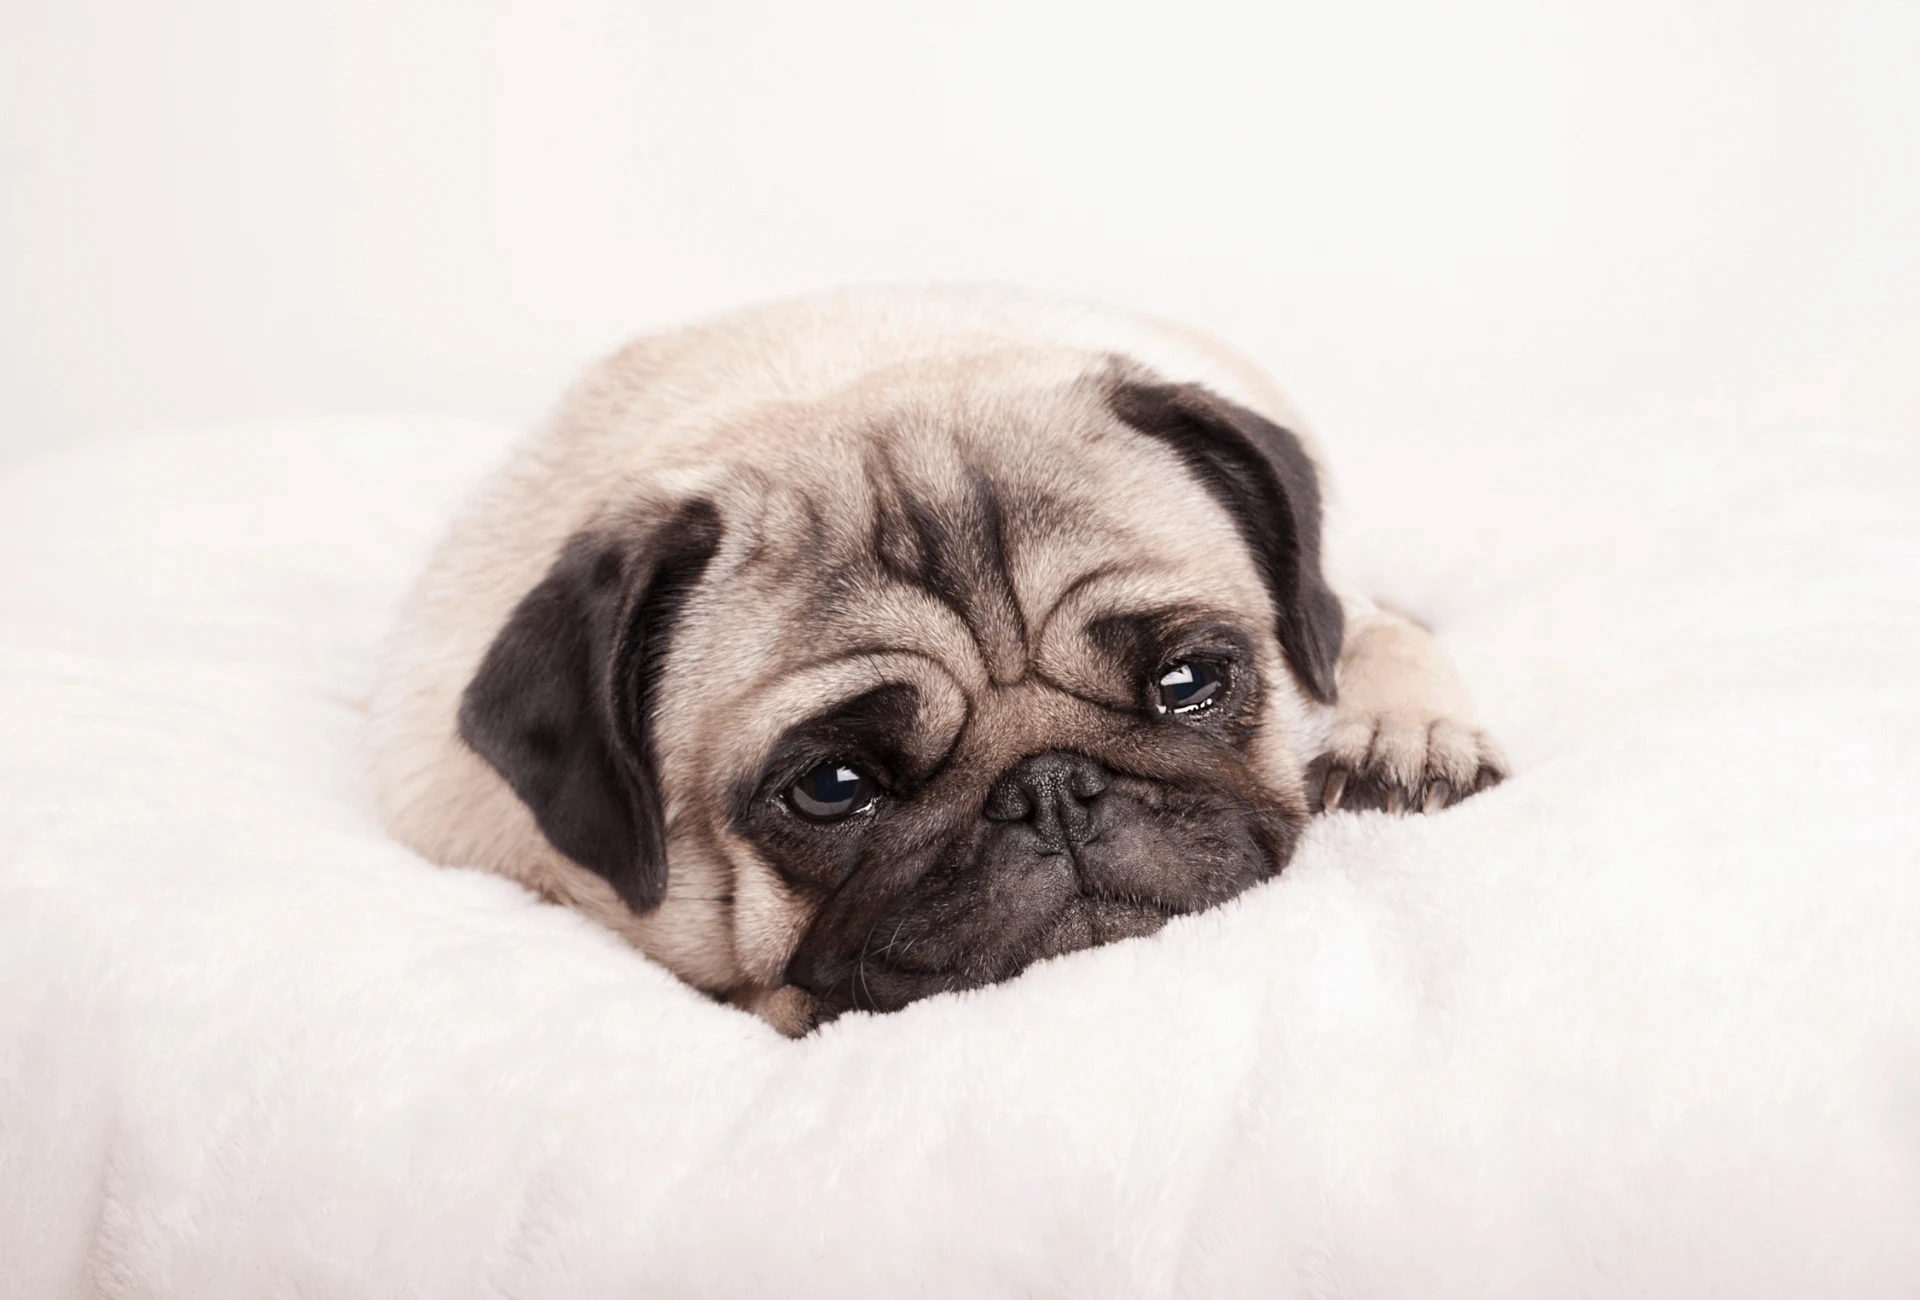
1404 765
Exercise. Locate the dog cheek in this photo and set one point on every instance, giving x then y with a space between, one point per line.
769 916
1290 731
1179 861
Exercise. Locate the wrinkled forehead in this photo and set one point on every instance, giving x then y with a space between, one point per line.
960 543
972 523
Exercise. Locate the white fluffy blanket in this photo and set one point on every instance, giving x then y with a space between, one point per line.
1644 1021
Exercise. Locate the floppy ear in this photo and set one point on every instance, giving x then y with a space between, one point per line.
562 704
1269 485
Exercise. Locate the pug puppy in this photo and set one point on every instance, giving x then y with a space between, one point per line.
846 651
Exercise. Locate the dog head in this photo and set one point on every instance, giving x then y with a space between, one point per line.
929 682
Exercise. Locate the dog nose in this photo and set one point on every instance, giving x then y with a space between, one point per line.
1057 793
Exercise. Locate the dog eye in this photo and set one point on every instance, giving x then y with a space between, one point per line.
830 791
1189 686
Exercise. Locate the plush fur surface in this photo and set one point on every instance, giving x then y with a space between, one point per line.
1644 1020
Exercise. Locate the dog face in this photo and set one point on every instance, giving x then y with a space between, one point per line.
901 692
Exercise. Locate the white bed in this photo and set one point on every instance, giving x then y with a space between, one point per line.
1643 1021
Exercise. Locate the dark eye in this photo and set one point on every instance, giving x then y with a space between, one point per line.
1188 686
831 791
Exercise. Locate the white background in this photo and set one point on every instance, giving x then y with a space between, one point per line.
1428 220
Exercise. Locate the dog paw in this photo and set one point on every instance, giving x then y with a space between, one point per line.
1403 763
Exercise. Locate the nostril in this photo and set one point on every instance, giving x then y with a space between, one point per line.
1008 802
1088 781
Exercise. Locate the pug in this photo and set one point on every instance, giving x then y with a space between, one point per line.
846 651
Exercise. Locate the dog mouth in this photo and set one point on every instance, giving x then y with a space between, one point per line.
892 968
983 927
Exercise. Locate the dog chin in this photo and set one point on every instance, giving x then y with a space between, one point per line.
879 982
1066 904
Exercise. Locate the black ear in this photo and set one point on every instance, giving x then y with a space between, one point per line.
562 705
1268 484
